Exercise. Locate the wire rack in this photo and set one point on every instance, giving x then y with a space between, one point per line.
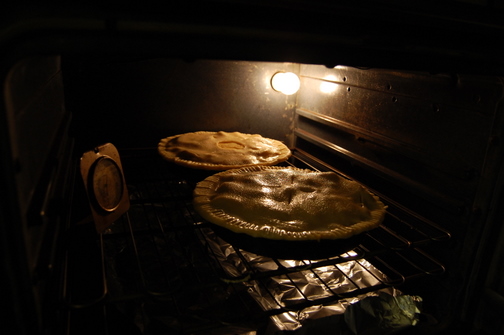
163 268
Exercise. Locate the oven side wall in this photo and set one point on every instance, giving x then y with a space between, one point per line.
429 142
34 170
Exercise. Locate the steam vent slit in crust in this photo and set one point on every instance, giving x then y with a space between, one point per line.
284 203
222 150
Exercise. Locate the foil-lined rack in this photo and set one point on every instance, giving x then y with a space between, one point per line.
165 270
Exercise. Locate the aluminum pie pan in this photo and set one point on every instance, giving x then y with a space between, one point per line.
285 249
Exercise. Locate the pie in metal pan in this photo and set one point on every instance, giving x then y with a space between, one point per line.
222 150
289 204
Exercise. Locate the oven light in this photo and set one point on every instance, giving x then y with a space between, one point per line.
286 82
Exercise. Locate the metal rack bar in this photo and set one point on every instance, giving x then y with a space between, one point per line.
161 250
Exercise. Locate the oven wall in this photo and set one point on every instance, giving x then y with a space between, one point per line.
35 110
430 142
428 132
135 103
34 167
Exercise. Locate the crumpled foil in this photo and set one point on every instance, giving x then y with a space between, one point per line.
384 314
286 290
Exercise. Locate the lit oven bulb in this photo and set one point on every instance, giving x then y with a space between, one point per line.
286 82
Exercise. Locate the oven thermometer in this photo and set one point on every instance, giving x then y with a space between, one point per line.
105 185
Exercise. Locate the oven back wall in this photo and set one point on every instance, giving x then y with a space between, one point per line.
136 103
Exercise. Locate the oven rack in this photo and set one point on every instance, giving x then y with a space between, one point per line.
164 260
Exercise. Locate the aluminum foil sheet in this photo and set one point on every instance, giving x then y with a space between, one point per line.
299 287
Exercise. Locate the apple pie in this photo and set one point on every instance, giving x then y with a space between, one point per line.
222 150
285 203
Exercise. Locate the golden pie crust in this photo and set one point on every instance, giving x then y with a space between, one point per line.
284 203
222 150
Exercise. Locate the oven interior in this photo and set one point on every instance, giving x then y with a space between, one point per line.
162 269
426 142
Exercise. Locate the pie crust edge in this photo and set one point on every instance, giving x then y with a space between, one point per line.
201 202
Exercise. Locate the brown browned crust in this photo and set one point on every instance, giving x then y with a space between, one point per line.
206 191
222 150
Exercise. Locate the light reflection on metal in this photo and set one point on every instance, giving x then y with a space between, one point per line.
327 85
320 282
287 83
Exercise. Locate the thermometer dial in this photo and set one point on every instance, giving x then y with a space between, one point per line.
106 183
